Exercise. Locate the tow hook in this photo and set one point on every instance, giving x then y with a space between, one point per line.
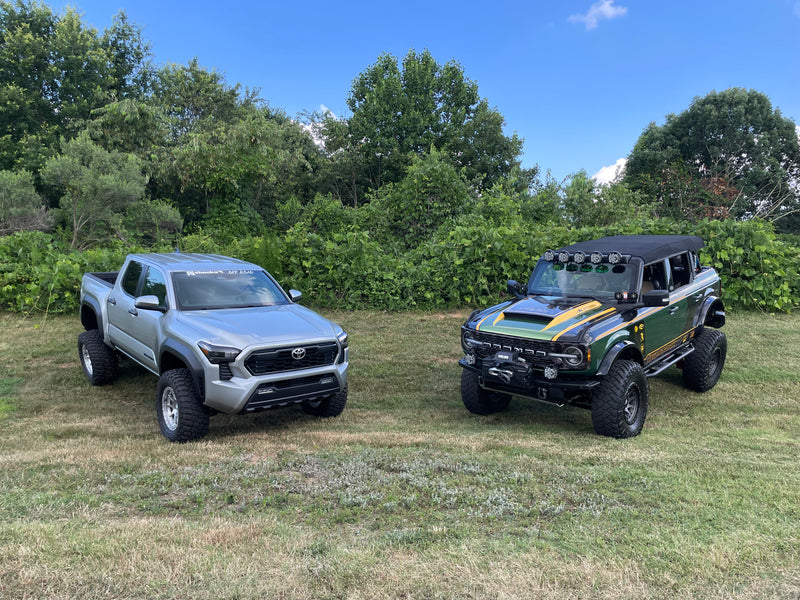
542 393
504 375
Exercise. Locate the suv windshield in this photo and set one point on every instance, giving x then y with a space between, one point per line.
582 281
203 290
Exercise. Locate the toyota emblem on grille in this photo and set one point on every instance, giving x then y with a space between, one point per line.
298 353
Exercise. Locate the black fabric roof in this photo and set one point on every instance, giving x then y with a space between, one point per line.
647 247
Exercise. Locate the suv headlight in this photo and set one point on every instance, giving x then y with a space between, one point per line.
573 356
467 341
218 354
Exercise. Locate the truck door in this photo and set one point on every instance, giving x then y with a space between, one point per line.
135 331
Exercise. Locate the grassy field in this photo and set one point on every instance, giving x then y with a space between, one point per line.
406 495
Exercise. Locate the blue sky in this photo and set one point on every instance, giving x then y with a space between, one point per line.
578 80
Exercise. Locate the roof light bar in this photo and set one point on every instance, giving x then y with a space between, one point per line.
579 257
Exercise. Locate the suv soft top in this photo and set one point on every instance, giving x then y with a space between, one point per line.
647 247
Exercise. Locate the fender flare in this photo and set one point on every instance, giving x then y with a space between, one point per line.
614 352
184 353
711 313
93 305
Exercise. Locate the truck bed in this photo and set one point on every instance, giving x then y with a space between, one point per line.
109 278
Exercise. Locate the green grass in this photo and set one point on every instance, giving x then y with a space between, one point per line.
406 494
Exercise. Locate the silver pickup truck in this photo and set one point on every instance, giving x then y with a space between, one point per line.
220 333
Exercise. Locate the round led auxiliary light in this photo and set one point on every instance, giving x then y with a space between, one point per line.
614 258
549 256
563 257
579 257
595 258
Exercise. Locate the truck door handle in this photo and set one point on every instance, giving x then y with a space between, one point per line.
112 301
697 297
674 309
134 312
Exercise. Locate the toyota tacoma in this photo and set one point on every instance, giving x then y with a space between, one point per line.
221 335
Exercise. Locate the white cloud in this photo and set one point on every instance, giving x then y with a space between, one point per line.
610 173
599 11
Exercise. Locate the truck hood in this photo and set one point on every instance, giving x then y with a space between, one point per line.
542 317
260 326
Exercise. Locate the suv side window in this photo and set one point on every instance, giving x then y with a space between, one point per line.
655 277
681 269
130 279
155 284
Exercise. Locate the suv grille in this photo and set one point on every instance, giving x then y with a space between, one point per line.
278 360
491 344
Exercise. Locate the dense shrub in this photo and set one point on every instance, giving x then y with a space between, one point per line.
463 264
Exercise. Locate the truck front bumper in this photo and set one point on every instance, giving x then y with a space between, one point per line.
254 393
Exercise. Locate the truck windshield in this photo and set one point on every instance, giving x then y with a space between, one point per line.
214 289
582 281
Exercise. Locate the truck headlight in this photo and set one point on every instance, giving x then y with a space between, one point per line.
344 344
343 340
218 354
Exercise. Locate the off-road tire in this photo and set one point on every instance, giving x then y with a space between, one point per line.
332 406
703 367
99 362
619 403
478 400
181 415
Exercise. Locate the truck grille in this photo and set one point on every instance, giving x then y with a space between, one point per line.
291 358
490 344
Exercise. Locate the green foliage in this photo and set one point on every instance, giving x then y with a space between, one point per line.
36 275
96 187
431 194
729 154
757 270
54 70
399 113
152 223
21 207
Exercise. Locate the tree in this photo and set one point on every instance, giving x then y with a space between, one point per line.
21 208
194 98
54 71
729 154
399 113
431 194
96 187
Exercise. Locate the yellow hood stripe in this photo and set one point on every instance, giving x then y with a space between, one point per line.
573 313
584 321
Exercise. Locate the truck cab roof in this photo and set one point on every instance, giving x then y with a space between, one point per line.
189 261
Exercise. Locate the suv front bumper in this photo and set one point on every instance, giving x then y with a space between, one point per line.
559 390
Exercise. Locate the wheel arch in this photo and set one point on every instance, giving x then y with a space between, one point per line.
175 355
623 350
91 315
712 313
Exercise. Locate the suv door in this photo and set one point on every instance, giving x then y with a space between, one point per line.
666 327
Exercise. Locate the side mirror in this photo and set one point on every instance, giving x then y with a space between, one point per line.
515 289
295 296
149 303
656 298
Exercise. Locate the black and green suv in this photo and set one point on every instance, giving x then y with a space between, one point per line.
593 322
